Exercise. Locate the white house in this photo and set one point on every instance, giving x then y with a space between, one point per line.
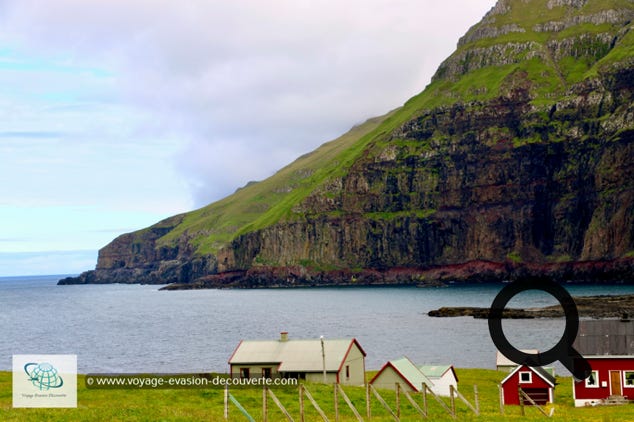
342 360
443 376
502 363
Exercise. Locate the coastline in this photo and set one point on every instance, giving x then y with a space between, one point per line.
476 271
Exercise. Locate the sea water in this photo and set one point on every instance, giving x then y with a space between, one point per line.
137 328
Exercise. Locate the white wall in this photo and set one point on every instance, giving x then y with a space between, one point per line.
441 385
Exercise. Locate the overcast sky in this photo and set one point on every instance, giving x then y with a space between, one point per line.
118 113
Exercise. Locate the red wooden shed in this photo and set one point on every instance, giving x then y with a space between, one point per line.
536 382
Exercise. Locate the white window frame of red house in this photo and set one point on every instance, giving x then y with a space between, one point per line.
597 382
530 377
625 384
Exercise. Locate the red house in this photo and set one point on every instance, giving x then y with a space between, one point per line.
608 346
536 382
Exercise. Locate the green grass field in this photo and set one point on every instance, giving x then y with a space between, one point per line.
207 404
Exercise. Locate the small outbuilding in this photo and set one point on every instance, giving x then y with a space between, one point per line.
608 346
536 382
402 371
411 377
342 360
442 376
502 363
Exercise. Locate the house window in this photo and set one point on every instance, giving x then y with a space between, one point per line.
593 380
244 373
347 371
526 377
266 372
629 378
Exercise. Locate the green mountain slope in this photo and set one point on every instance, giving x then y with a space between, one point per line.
260 204
517 152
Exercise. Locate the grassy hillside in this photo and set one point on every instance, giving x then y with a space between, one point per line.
260 204
195 405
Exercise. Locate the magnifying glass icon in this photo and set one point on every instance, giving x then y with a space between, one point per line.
562 351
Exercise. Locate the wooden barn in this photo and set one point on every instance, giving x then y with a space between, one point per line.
537 383
342 360
608 346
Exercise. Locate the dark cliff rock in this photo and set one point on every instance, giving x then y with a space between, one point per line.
617 306
516 161
484 193
135 258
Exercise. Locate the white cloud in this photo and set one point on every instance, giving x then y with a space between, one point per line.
230 80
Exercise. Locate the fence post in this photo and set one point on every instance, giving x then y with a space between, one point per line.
425 398
336 403
477 403
265 410
519 396
398 400
368 407
226 400
453 401
501 391
301 402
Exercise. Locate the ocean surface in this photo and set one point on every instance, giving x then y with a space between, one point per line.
136 328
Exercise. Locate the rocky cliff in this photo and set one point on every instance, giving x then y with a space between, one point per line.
517 159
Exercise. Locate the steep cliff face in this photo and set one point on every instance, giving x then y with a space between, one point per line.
519 154
482 181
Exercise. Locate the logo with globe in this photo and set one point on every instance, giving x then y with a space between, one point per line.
44 376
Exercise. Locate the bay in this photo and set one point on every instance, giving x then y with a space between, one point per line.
137 328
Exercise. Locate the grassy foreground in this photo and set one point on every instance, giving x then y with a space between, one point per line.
196 404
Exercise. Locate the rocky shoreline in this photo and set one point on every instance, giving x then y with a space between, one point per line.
616 271
604 306
193 274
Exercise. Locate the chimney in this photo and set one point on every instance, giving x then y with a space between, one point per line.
284 336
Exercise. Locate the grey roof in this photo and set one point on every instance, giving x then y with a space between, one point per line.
606 337
545 374
296 355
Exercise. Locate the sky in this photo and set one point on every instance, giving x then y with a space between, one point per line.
115 114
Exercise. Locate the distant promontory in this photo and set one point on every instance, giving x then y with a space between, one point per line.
603 306
517 160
